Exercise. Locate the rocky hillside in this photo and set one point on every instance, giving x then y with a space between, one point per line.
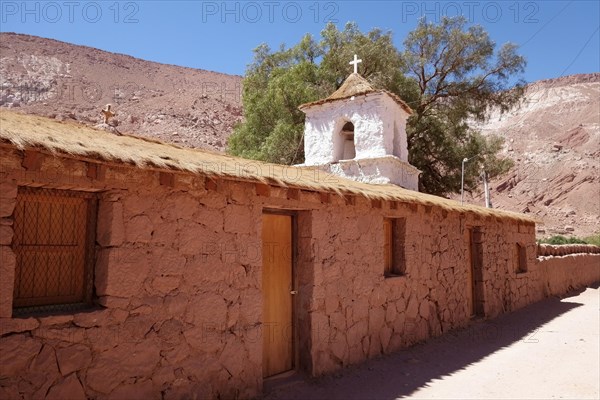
554 139
182 105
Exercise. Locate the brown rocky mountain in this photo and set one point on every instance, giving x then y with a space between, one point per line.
554 137
554 140
64 81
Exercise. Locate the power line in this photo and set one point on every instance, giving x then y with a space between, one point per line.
546 24
522 118
580 51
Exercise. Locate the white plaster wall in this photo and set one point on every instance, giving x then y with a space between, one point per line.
318 139
373 118
381 170
370 127
399 143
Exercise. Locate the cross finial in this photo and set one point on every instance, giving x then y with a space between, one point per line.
355 63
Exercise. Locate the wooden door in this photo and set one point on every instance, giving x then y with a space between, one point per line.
277 329
477 289
470 275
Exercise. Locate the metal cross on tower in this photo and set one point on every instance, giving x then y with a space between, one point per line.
355 63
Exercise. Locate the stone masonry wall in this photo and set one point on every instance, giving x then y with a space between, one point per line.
546 250
565 273
507 289
178 283
357 313
178 289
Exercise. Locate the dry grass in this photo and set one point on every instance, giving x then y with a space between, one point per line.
79 141
356 85
353 85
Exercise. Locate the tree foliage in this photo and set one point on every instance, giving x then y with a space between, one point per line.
448 73
459 79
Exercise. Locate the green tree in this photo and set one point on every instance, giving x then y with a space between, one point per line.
460 78
274 86
446 74
277 82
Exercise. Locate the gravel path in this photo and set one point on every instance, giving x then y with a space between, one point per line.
550 349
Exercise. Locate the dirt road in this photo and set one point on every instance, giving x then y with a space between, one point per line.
547 350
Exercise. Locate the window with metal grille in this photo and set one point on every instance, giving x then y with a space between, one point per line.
394 230
54 245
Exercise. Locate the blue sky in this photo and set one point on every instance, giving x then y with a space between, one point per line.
557 37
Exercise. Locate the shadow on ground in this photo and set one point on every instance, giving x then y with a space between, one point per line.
401 373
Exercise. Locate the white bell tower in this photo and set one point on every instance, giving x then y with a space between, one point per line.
360 133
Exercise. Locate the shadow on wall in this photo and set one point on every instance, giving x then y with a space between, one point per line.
402 373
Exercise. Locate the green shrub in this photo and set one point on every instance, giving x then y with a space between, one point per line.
558 239
594 239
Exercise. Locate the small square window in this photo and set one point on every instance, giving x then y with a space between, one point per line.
394 230
53 243
521 255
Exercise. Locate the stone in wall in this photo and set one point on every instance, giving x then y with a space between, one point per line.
8 263
110 227
8 196
69 388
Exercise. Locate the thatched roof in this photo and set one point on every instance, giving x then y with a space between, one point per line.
356 85
353 85
69 139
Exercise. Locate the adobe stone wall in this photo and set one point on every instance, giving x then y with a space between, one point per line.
507 289
562 274
547 250
178 280
356 313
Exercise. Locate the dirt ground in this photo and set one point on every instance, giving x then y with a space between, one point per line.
550 349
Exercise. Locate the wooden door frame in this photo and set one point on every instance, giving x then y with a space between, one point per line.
294 217
476 265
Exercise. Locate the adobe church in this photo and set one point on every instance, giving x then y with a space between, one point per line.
359 133
132 268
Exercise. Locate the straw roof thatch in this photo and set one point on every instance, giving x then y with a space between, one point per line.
70 139
356 85
352 86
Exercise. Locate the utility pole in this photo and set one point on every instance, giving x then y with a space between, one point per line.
462 182
486 189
